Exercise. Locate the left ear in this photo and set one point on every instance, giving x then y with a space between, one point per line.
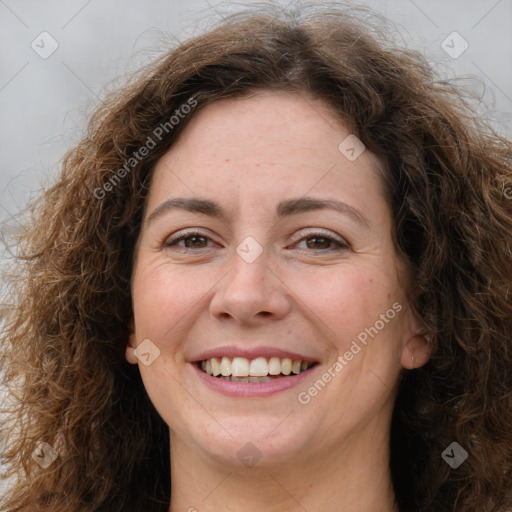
131 344
416 348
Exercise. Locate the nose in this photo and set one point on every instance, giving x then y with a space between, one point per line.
251 293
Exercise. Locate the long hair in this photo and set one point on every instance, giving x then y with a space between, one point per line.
449 183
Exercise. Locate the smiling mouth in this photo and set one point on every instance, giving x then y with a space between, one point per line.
261 369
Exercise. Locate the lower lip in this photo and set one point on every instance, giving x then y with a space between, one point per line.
253 389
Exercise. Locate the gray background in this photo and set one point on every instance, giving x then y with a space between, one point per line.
45 102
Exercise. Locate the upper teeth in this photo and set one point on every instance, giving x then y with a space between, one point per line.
259 367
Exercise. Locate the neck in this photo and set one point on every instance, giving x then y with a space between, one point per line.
353 477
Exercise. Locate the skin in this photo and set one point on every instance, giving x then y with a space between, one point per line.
302 293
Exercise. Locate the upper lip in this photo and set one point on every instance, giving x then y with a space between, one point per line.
251 353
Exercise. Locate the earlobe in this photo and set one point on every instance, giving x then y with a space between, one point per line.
416 352
131 344
417 349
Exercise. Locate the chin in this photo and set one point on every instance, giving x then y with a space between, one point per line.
261 441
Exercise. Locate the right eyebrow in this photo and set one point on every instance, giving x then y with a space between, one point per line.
190 204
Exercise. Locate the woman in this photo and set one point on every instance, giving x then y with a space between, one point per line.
275 276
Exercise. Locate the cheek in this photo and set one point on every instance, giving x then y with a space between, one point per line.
349 302
163 301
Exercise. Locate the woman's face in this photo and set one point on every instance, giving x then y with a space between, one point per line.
265 243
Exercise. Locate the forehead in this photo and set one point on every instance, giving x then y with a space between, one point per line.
263 145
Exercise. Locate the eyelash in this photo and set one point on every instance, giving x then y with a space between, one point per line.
341 244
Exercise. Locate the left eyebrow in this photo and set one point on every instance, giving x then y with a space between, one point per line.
307 204
284 208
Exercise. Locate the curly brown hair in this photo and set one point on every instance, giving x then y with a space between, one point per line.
67 315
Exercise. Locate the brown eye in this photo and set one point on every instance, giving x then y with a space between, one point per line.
322 242
190 240
318 242
195 241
